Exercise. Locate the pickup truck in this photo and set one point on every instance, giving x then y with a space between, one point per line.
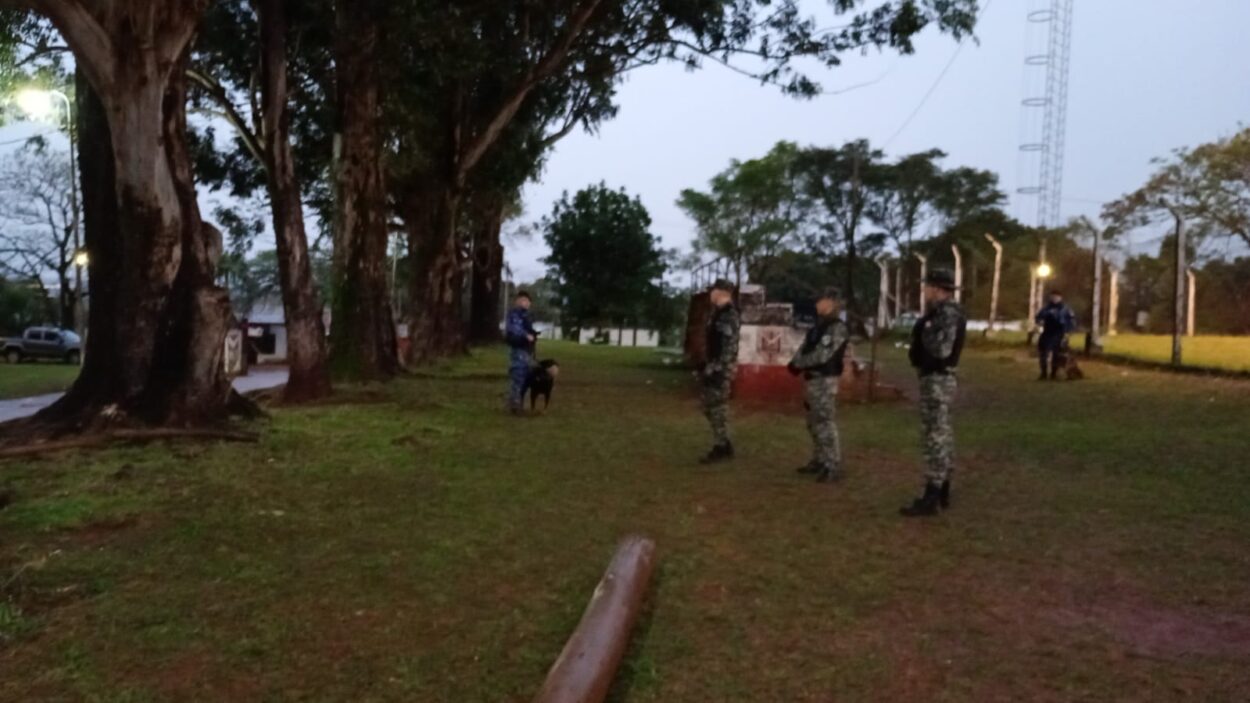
44 343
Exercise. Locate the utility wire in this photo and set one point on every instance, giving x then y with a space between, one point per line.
26 139
933 88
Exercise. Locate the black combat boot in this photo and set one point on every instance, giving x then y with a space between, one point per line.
926 505
719 453
829 474
944 496
810 467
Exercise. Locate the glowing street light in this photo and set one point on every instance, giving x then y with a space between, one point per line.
1044 270
40 104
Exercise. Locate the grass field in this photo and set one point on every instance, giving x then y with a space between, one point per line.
21 380
1202 351
414 543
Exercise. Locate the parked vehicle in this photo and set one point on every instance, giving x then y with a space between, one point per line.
44 343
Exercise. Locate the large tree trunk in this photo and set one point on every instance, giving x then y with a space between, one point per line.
438 279
65 301
97 383
486 312
188 383
363 344
154 281
306 343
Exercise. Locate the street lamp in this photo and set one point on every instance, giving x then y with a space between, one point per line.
40 105
1044 270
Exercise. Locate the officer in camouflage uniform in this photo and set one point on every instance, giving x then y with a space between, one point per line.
936 343
819 360
718 373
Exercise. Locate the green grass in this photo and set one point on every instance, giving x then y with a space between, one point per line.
1202 351
22 380
417 544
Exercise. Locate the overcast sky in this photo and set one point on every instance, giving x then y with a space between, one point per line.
1147 76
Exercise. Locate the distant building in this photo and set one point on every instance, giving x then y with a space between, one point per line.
266 332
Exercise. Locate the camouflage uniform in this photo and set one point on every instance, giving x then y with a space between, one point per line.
718 373
819 359
937 342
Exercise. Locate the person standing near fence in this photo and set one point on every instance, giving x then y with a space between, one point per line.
717 374
937 341
819 360
521 337
1057 321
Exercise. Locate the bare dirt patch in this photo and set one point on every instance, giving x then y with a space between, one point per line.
1162 633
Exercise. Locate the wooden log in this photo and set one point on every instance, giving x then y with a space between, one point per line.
585 669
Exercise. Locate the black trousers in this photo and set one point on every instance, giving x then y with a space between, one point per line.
1050 355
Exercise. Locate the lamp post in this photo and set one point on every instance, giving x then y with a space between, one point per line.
1037 288
40 104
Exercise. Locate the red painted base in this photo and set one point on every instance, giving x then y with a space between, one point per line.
767 383
774 384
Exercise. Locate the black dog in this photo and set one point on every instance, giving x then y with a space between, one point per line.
1066 360
540 381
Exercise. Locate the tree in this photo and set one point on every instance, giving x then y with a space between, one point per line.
363 343
22 305
244 48
965 192
38 222
604 258
1221 196
904 196
836 184
750 209
488 61
162 364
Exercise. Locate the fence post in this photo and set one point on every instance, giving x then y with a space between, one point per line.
924 272
1093 341
998 274
883 296
1178 308
959 274
898 290
1113 301
1191 322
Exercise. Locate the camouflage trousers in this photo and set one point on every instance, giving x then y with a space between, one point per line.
716 405
937 393
821 400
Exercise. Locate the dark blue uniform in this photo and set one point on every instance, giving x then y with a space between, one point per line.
1057 321
517 332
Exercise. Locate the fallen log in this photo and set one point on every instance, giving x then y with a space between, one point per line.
586 667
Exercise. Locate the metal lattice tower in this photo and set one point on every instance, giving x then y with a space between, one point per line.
1048 143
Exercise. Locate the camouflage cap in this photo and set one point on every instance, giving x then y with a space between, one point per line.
941 278
722 284
831 293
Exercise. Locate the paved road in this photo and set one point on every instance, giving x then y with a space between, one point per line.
22 407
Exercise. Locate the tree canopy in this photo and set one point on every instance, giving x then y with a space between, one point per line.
605 261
